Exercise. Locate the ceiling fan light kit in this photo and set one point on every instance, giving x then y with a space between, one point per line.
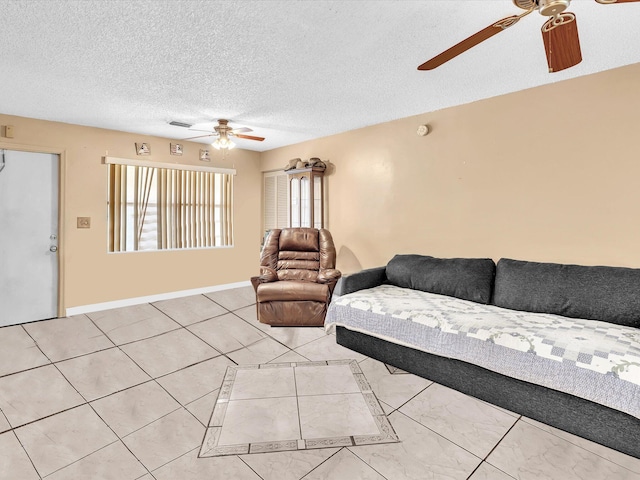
559 34
223 143
223 131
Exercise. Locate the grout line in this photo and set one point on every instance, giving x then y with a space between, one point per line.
295 385
35 342
475 469
240 457
102 419
500 441
45 417
523 419
421 391
364 461
226 312
26 453
214 406
179 327
439 434
25 370
324 461
37 346
88 455
172 460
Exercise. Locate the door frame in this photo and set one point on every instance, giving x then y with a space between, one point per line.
62 162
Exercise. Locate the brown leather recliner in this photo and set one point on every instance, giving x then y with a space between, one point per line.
298 275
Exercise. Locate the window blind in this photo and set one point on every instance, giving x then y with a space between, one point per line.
153 207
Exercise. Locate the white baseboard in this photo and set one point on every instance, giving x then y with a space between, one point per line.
127 302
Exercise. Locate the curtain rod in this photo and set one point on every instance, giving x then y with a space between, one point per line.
171 166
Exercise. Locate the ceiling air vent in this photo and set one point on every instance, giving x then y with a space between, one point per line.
180 124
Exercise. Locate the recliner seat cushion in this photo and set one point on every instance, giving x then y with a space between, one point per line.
292 291
465 278
610 294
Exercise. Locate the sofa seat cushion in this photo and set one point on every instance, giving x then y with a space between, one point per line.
291 290
610 294
594 360
466 278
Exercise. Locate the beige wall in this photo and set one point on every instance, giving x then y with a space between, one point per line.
91 275
547 174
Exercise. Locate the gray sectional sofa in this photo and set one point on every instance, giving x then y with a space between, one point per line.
556 343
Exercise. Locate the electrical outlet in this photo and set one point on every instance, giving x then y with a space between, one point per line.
84 222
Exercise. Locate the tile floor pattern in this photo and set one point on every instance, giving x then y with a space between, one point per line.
127 394
294 406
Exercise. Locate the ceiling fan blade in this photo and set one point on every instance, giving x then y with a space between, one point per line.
199 130
561 42
248 137
200 136
609 2
241 130
470 42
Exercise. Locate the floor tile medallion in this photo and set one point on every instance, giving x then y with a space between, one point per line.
295 406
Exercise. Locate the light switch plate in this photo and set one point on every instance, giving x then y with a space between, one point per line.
84 222
8 131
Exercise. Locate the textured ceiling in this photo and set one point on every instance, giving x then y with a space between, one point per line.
291 70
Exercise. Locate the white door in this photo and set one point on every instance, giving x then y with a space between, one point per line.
28 236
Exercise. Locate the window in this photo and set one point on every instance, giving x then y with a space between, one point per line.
166 206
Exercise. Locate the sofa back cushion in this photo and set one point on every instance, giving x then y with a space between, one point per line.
466 278
610 294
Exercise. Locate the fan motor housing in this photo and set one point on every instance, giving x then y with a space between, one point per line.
550 8
525 4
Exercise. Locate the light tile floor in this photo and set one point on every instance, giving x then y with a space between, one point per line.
127 394
294 406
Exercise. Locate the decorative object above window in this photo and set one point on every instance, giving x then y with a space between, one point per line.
204 156
143 149
176 149
298 163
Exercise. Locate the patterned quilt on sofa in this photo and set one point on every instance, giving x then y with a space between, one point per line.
595 360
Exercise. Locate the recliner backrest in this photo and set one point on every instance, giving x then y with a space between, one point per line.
298 253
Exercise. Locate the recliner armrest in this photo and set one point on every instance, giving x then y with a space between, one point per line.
369 278
267 275
329 275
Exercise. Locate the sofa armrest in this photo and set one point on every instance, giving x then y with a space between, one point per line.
369 278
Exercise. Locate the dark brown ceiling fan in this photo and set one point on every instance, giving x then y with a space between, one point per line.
559 33
223 131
